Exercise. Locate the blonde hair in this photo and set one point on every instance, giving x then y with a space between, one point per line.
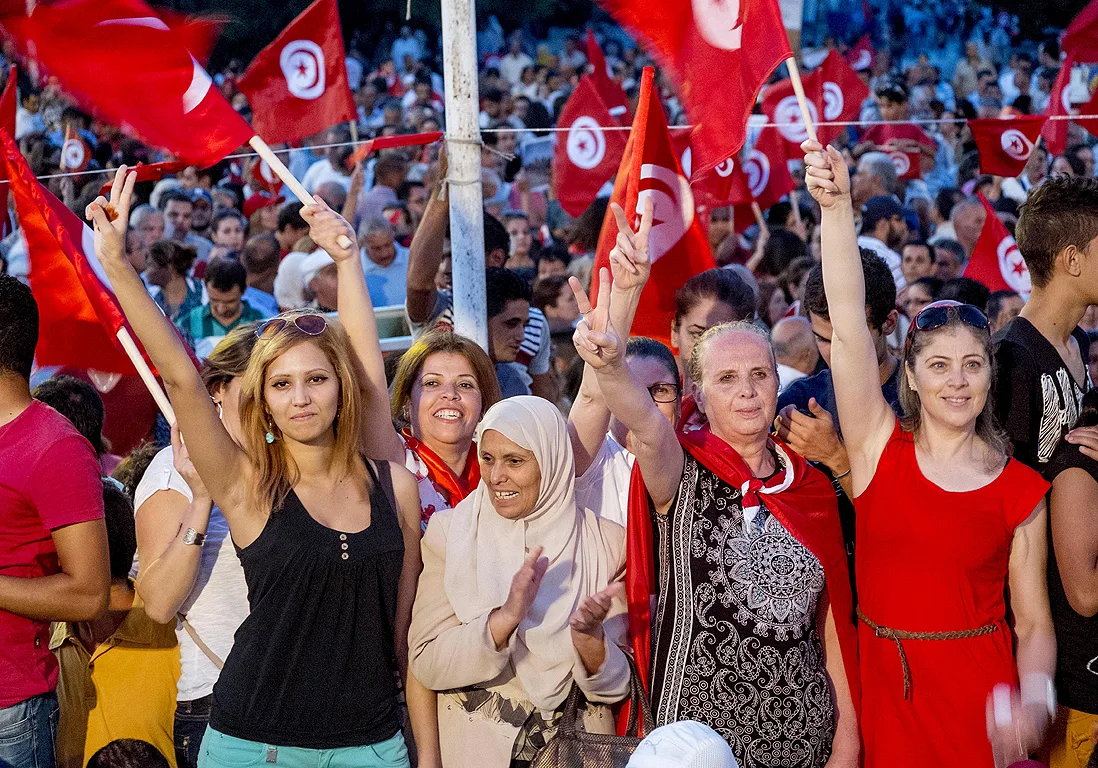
276 472
435 342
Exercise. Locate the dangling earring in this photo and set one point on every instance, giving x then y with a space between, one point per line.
218 404
269 437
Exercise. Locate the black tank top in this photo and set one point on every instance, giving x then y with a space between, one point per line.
313 664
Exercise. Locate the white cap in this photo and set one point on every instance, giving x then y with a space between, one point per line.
313 263
687 744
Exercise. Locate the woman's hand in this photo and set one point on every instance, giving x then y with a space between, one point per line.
524 588
630 263
587 620
595 339
1013 728
111 219
181 459
826 174
326 228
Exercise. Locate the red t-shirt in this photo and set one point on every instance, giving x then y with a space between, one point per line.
49 478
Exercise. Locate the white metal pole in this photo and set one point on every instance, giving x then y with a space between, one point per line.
459 53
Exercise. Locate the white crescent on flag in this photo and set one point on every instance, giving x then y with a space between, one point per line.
719 23
302 63
672 207
586 144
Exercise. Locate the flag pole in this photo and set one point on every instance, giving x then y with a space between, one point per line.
758 215
145 373
288 178
794 199
354 131
798 89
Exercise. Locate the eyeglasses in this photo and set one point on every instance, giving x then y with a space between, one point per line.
664 393
937 314
311 325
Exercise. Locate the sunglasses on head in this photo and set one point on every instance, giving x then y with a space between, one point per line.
311 325
937 314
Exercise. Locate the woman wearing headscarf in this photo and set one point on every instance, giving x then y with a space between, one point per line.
519 597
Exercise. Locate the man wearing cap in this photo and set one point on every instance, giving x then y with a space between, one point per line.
318 274
884 230
201 212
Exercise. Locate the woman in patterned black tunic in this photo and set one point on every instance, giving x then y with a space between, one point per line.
752 630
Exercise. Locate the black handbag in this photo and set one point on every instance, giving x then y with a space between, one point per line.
573 747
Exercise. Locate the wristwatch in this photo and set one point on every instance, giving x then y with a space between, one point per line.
191 536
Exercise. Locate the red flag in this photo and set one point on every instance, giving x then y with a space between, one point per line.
263 178
390 142
724 185
678 247
766 169
1059 106
75 152
996 261
611 92
79 314
148 172
7 122
841 95
162 95
860 57
1088 110
702 45
780 106
586 156
1080 41
895 141
200 33
1005 145
297 85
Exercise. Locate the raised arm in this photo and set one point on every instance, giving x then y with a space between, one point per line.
656 446
356 313
219 460
1074 511
866 417
630 267
425 252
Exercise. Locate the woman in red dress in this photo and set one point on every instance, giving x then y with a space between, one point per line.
947 524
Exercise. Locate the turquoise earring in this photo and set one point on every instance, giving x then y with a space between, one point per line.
270 438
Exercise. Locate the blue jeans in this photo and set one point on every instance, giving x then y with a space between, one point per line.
222 751
191 719
27 731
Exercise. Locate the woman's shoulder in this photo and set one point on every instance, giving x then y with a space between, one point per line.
160 475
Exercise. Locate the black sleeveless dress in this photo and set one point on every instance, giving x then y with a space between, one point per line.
314 665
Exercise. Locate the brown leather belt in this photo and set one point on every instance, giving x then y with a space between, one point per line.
896 635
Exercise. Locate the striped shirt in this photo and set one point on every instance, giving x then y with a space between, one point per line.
202 331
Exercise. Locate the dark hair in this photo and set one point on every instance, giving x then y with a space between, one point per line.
260 253
132 468
491 93
176 195
880 290
1058 213
782 248
954 247
1088 416
18 327
996 301
121 536
778 214
547 290
795 271
404 191
391 163
932 284
642 346
501 286
172 253
967 291
495 235
766 294
289 215
224 274
920 244
724 285
538 118
128 753
78 402
585 230
554 253
228 213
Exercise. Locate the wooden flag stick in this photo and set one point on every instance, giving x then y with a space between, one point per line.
354 130
798 88
794 199
288 178
758 215
145 373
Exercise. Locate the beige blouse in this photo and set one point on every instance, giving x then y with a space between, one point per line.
446 655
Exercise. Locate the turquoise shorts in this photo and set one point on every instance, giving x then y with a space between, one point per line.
221 751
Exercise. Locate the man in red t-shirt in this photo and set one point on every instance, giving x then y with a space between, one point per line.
53 543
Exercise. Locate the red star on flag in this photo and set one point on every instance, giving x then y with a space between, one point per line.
302 69
1019 268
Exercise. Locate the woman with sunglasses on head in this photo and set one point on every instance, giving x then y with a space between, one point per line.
947 524
328 540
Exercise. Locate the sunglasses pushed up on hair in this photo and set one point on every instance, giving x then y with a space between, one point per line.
311 325
938 313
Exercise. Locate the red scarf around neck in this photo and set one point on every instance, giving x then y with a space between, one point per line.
807 508
455 488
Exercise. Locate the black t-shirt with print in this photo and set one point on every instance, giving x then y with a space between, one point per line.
1037 401
1076 635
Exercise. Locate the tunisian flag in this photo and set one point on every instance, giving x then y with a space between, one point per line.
7 122
1080 41
1059 106
996 261
834 93
860 56
908 163
1005 145
297 86
159 93
766 169
79 314
719 53
677 245
611 93
587 155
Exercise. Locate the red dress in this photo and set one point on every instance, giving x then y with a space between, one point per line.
932 560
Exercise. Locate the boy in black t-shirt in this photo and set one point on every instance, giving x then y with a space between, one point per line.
1041 356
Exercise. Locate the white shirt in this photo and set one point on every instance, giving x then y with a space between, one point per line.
787 375
321 172
891 258
604 487
218 602
387 285
511 66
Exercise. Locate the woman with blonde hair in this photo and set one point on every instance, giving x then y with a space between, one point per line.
328 540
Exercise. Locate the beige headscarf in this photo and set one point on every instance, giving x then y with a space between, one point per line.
484 551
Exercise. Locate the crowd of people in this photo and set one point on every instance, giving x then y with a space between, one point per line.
334 552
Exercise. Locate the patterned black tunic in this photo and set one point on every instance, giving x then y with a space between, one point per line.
735 639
